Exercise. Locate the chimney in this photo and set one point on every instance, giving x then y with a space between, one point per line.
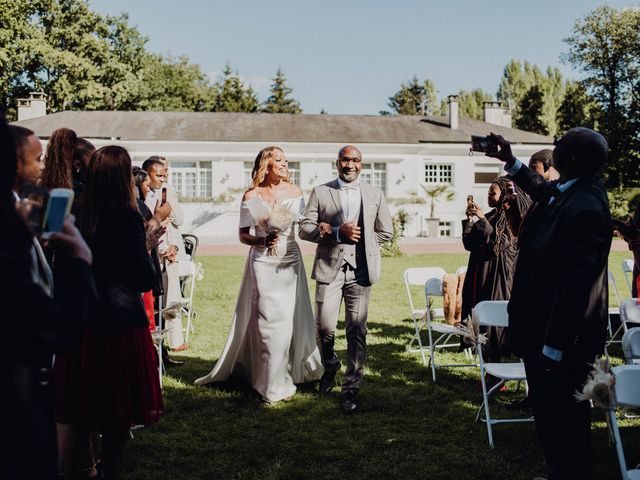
34 106
496 114
453 111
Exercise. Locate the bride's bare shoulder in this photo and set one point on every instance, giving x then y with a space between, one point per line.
249 194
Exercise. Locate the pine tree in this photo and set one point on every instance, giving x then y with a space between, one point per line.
415 98
531 111
232 95
279 100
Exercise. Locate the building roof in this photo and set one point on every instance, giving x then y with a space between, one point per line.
257 127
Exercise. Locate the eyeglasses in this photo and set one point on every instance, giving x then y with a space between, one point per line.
355 160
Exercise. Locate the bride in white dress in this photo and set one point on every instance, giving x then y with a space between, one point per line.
272 340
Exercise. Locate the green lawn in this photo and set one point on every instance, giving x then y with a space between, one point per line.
408 427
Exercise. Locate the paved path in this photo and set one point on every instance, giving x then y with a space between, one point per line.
409 246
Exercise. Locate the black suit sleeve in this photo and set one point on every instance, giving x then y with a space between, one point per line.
533 184
35 321
582 249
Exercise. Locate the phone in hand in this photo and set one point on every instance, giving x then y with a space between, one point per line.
483 144
58 207
469 199
164 196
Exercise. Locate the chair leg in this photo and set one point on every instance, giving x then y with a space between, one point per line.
487 413
416 324
432 356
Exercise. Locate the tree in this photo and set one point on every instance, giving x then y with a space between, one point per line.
472 103
415 98
279 101
518 79
437 194
605 46
531 110
232 95
577 109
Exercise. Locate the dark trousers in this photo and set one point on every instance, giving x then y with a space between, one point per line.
562 423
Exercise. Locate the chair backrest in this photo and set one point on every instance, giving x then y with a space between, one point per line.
630 310
612 284
627 268
631 346
492 313
186 268
420 275
190 244
627 386
461 270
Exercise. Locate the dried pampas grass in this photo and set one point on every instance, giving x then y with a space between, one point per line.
471 331
599 386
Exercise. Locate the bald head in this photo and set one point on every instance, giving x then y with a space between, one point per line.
349 149
580 152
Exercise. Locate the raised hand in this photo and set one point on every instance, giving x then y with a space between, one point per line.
162 211
504 153
474 210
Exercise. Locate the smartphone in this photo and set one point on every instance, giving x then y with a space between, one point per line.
483 144
164 196
58 207
469 198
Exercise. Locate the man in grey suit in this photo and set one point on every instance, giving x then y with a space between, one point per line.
348 219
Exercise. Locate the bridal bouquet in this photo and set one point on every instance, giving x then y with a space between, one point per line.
272 218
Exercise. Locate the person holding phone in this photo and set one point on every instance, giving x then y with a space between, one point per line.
491 240
46 319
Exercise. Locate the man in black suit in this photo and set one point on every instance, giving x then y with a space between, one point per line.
558 330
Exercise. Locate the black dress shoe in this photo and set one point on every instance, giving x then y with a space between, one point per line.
327 381
349 404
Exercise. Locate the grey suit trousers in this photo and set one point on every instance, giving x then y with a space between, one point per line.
353 286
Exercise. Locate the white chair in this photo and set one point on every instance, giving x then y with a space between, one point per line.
631 346
615 310
627 268
629 313
461 270
188 272
494 314
627 394
418 276
433 288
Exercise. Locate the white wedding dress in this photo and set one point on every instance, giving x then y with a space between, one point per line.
272 341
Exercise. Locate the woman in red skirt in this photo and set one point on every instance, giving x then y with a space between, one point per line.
119 379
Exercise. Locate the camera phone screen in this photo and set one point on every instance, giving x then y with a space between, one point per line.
56 214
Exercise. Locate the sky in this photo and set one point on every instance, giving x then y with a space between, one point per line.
349 56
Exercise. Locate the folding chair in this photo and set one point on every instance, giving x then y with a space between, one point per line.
629 313
433 288
627 394
418 276
615 310
461 270
494 314
627 268
631 346
188 271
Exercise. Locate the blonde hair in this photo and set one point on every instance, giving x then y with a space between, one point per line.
261 164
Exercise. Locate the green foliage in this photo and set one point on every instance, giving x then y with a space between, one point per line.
576 109
232 95
531 111
86 61
605 46
518 79
472 103
391 248
437 194
415 98
403 218
619 202
279 100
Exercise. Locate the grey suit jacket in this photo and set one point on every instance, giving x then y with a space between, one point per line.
324 205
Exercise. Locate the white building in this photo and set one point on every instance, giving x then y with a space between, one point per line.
211 155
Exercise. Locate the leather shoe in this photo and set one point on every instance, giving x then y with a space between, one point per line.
349 404
327 381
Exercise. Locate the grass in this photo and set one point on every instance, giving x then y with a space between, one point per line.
408 426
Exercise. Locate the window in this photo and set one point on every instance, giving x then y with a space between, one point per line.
486 174
294 172
191 179
437 173
444 229
375 174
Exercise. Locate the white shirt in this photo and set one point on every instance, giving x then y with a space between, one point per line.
351 199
